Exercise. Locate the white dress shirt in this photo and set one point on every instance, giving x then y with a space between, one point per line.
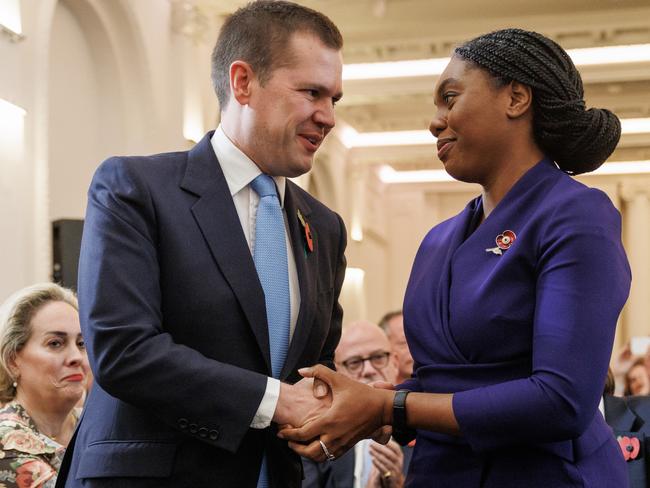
239 170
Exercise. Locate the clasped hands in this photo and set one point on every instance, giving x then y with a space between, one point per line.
328 408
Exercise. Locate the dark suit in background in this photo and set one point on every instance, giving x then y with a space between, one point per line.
630 417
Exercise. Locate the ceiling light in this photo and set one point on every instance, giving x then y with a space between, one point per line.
10 109
623 168
387 174
351 138
635 126
395 69
633 53
10 22
394 138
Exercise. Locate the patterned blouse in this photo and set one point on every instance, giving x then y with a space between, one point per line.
28 459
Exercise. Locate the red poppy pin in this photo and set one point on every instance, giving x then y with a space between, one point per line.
503 241
309 241
630 446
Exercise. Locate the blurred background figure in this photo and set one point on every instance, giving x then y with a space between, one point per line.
629 418
393 325
637 381
365 355
625 365
43 374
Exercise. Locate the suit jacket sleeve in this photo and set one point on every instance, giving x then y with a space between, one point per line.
133 357
583 280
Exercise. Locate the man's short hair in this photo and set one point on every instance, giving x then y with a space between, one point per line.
383 323
259 33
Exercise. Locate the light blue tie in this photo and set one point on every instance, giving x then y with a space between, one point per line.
270 256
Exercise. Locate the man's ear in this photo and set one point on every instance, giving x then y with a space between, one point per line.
521 99
242 78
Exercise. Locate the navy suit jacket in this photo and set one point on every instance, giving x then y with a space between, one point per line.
174 318
522 338
630 417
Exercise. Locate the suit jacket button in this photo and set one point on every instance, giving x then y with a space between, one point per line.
203 432
193 428
182 423
214 435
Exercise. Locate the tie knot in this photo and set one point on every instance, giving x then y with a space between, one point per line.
264 186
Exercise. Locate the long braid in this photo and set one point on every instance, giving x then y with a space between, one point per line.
577 138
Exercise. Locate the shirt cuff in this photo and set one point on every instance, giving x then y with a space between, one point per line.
265 411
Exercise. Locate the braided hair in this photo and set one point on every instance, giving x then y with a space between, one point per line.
577 138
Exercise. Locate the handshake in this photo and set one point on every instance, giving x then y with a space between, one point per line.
327 413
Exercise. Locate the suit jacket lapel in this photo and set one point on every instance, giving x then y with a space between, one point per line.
619 416
217 218
307 268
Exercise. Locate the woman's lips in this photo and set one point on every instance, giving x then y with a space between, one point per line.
444 145
74 377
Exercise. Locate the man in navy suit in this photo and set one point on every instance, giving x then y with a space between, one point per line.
629 418
173 306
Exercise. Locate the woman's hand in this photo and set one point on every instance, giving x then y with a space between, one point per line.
357 412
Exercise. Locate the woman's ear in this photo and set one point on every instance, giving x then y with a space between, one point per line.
521 99
12 367
241 81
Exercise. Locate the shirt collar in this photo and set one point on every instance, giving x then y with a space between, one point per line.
238 169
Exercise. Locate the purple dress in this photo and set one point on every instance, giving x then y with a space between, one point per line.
522 337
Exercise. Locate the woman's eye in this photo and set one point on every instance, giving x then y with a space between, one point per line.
447 97
81 345
55 343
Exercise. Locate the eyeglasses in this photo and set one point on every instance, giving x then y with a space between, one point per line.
354 365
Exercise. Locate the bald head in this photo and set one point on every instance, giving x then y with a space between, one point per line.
365 340
393 324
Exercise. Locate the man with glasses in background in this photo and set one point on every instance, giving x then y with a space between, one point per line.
363 354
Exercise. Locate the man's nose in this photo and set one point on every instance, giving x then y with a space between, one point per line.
324 115
369 371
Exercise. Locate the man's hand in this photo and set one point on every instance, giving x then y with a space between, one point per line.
357 412
302 402
387 465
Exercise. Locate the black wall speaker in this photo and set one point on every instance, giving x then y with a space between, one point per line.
66 243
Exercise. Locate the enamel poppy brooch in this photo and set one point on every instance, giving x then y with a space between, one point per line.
309 241
630 447
503 242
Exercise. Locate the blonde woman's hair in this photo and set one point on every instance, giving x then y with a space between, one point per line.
15 325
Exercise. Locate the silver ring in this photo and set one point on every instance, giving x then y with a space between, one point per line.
328 454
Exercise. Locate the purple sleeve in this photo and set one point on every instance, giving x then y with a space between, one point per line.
583 280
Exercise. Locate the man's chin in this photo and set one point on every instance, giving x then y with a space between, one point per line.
297 170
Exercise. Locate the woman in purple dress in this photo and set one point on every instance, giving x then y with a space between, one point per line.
511 306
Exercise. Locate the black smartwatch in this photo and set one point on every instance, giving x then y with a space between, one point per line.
401 433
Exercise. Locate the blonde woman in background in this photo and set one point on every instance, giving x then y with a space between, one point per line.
43 372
